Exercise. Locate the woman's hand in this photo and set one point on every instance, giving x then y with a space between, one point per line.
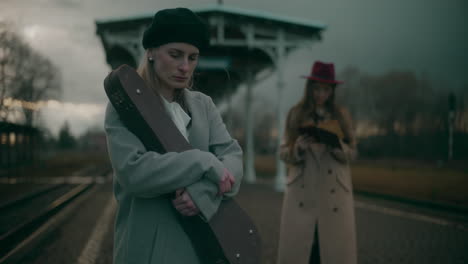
184 203
226 183
303 143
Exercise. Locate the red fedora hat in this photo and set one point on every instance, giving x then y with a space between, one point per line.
323 72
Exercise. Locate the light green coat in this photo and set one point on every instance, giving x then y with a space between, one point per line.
146 227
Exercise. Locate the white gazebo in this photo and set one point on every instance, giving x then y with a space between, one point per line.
245 44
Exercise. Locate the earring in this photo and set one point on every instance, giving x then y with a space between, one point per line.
150 59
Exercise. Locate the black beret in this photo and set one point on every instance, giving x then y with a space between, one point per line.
176 25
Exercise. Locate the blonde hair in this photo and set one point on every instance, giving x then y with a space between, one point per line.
148 74
145 70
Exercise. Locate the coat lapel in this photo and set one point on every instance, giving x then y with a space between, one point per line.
193 107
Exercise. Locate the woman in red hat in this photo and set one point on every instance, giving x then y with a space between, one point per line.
317 223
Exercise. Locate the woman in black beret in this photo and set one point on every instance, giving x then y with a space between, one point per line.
147 229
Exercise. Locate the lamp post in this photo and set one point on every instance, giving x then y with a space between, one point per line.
451 119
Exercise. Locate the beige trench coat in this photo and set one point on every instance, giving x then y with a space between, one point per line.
319 192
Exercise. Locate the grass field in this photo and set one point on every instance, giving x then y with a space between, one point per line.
403 178
409 179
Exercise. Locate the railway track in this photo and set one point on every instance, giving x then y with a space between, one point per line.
27 219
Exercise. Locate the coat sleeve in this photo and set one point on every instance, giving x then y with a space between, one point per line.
348 151
228 152
150 174
293 157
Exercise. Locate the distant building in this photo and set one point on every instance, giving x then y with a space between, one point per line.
18 145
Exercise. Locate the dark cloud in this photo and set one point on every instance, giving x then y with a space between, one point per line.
422 36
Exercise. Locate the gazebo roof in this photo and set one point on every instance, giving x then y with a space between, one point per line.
255 16
243 43
261 16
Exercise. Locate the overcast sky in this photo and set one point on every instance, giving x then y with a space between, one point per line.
424 36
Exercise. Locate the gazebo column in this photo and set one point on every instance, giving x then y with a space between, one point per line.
250 176
279 61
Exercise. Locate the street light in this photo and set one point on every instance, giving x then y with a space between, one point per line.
451 119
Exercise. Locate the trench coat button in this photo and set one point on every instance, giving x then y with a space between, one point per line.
332 191
335 209
329 171
301 204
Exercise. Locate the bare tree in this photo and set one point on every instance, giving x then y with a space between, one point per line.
397 102
408 111
40 81
25 75
12 48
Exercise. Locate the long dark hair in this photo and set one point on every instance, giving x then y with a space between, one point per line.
305 109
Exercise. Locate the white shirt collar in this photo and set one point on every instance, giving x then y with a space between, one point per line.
178 116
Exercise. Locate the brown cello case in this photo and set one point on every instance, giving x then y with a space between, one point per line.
230 236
